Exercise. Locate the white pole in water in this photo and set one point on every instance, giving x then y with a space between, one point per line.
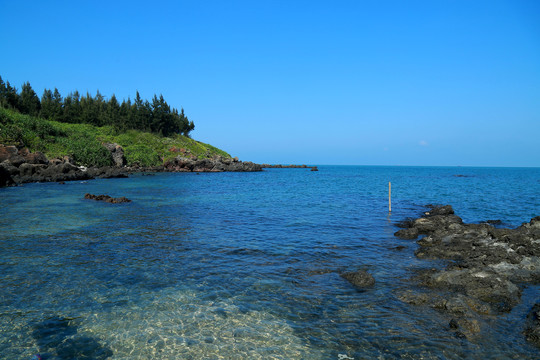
389 196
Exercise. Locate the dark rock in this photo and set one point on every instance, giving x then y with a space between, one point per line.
399 248
13 155
281 166
407 234
439 210
61 172
487 267
406 224
216 164
27 169
462 304
414 298
532 326
360 279
10 168
36 158
467 327
7 152
494 222
17 160
107 198
430 224
5 177
482 285
314 168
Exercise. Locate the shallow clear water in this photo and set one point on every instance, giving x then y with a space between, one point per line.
242 265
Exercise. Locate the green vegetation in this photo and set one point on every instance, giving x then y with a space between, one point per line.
84 142
78 126
156 116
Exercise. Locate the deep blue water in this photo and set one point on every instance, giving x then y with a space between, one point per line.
243 265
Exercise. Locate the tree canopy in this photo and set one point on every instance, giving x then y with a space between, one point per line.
156 116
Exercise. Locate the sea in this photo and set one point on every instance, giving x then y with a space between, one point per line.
245 265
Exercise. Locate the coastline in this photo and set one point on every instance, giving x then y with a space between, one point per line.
20 166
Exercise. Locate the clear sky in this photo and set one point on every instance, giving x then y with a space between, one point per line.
318 82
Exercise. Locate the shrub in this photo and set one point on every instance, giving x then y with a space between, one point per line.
142 155
87 151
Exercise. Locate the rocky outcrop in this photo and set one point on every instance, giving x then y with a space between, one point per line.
117 154
279 166
107 198
18 166
18 157
488 266
360 279
215 164
21 166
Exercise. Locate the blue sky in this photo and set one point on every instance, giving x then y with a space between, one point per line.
319 82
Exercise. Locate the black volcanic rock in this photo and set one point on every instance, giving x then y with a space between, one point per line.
360 279
486 270
107 198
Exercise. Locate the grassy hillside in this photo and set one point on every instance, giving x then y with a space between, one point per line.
84 142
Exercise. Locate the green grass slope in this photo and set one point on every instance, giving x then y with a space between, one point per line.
84 142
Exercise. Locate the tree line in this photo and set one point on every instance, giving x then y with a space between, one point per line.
156 116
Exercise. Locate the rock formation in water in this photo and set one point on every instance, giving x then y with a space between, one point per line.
360 279
488 267
107 198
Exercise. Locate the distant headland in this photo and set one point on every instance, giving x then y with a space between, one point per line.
78 137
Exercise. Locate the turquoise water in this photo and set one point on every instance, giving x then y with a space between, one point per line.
243 265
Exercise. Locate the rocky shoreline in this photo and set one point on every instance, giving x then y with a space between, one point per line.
19 166
487 269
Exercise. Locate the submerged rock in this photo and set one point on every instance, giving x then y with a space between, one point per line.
360 279
532 330
107 198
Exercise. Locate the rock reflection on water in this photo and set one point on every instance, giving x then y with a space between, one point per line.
57 338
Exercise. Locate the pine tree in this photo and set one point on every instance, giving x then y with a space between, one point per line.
47 105
29 101
101 106
89 110
111 116
57 106
72 108
12 97
3 99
